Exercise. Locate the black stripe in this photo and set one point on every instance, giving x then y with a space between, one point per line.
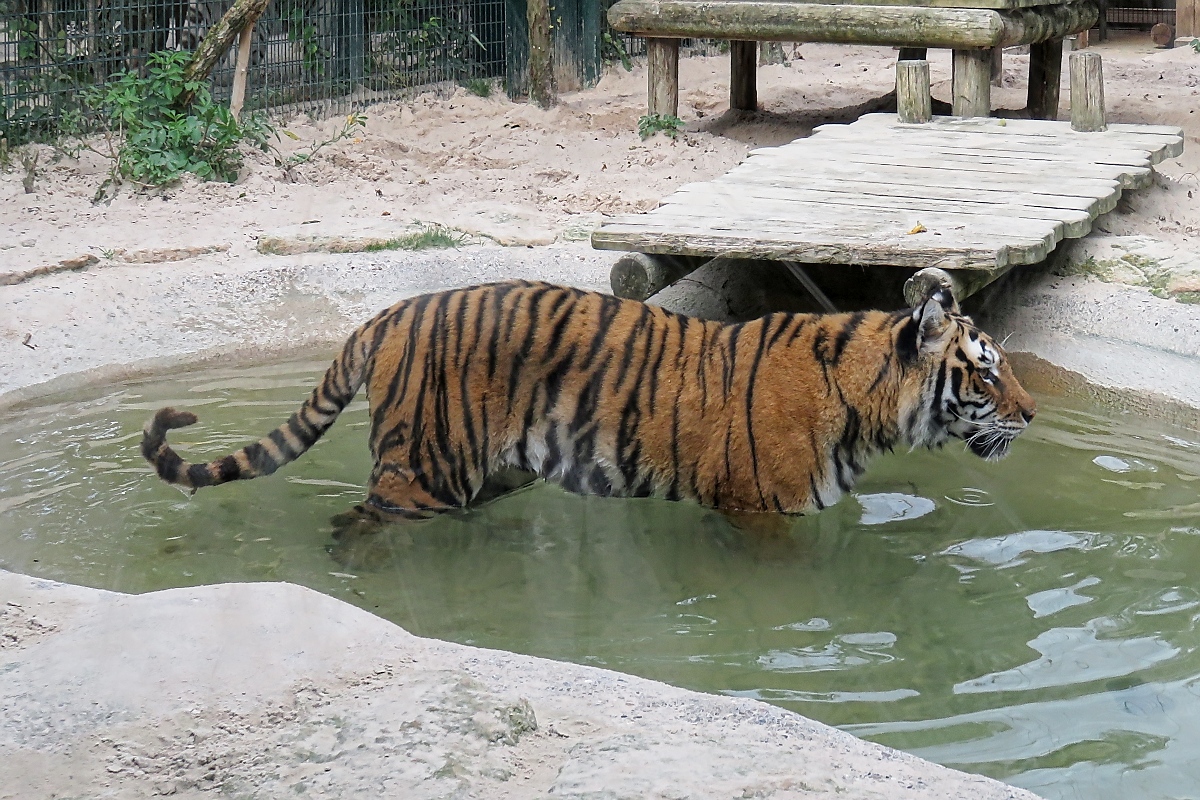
845 335
277 436
906 339
816 496
750 382
167 465
198 475
228 469
784 319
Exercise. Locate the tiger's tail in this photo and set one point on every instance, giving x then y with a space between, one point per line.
284 444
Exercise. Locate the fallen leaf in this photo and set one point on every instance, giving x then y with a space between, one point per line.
918 228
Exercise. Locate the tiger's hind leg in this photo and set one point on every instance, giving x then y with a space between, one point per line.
767 535
368 534
368 538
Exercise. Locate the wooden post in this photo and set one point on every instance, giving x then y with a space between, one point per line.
1187 18
662 76
997 66
972 86
217 42
913 54
238 96
1045 71
541 71
743 66
1087 92
913 103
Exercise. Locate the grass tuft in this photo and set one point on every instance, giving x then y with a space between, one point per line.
428 238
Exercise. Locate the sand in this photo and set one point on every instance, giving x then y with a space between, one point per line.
525 176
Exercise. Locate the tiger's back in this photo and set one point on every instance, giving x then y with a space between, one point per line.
613 397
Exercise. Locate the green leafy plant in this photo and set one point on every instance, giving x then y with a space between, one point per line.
351 126
659 123
150 141
613 49
1196 44
480 87
303 32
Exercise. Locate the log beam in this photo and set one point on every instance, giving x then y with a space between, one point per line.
773 20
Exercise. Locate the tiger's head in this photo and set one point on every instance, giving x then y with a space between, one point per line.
965 388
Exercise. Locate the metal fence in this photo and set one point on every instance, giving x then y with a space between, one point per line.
317 56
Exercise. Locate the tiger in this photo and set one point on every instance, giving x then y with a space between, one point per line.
616 397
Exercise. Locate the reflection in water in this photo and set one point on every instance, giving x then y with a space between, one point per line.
1034 620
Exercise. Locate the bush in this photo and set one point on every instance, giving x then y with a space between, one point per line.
152 142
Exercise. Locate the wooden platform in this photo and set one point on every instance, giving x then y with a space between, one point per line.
976 30
970 194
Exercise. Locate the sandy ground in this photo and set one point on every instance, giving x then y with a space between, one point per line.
273 690
526 176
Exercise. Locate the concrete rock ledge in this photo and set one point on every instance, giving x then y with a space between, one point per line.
273 690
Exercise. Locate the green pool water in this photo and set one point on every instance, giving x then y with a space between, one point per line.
1034 620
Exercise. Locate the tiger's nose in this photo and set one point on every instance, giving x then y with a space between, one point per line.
1028 414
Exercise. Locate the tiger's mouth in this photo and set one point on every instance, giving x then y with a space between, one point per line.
992 443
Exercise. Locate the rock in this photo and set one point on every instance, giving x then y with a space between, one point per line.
299 694
13 277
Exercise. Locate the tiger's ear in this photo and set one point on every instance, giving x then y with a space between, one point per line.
932 319
944 297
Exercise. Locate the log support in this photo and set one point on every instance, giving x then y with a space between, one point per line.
1087 92
662 70
972 86
743 66
913 102
639 276
1045 70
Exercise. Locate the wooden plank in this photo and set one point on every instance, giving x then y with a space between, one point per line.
903 148
1162 141
861 186
1128 177
935 178
1104 158
1074 223
1036 126
1025 241
868 223
910 26
953 253
954 256
868 249
1119 151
